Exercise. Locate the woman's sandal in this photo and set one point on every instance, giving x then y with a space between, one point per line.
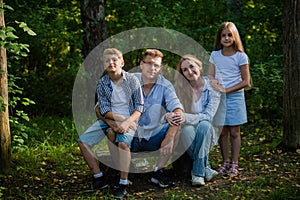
223 170
233 171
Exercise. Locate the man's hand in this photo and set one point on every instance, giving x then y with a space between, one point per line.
167 145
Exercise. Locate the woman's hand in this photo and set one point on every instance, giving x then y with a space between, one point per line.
217 86
175 118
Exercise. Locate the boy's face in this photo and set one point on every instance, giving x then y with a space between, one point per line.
112 63
151 67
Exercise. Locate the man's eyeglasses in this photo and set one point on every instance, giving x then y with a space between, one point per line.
156 66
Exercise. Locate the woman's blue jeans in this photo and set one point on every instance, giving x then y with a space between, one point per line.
197 140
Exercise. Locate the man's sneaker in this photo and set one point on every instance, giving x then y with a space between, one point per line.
160 179
197 180
121 191
210 174
99 183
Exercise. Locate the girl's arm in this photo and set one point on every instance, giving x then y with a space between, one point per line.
211 71
245 74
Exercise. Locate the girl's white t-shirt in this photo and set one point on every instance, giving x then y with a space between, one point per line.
227 69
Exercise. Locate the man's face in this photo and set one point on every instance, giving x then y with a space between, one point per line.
112 63
151 67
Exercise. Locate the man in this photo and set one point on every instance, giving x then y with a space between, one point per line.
159 95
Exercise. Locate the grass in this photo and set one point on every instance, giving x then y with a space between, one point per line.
49 165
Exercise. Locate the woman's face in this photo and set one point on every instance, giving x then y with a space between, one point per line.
190 70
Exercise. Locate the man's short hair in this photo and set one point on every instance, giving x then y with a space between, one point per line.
153 53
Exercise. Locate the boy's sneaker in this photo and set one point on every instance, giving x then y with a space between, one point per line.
121 191
210 174
197 180
160 179
99 183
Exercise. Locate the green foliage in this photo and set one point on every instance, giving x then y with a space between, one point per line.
17 50
49 71
1 189
52 166
49 141
265 99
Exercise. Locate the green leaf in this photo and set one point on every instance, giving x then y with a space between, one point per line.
24 26
11 36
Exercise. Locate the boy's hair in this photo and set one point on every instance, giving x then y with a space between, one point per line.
113 51
153 53
238 46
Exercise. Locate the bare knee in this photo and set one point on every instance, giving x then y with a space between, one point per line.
111 135
123 146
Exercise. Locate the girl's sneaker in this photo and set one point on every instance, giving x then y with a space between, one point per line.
223 170
233 171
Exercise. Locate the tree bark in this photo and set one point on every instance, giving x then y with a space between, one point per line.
5 139
93 22
291 79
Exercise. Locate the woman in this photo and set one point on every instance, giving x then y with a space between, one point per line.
197 131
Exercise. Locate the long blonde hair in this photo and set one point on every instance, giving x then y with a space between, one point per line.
182 85
237 45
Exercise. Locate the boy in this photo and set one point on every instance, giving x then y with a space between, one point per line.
120 103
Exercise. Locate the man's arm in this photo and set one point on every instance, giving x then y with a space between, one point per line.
168 143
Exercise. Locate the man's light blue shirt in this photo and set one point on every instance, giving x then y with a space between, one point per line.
162 98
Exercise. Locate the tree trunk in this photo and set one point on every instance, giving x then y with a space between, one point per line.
291 79
93 22
5 139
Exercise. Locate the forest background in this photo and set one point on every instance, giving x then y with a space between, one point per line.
42 73
55 52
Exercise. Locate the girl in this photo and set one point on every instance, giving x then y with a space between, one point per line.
229 72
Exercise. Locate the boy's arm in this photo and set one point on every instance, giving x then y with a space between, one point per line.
113 116
129 123
111 123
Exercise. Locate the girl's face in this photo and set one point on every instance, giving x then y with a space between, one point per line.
227 39
190 70
112 63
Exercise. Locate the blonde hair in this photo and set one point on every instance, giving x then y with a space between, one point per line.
183 88
237 45
113 51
